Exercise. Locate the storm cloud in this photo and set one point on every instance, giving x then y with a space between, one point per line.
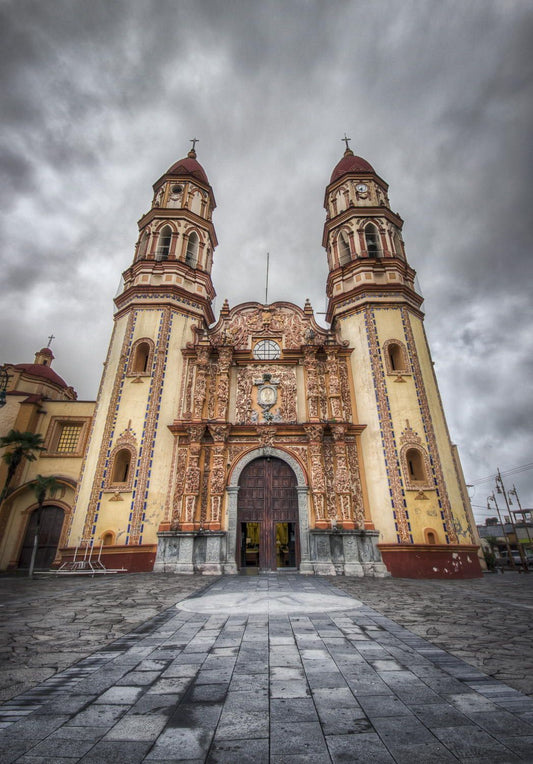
100 98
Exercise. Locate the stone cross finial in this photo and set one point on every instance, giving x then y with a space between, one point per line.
346 139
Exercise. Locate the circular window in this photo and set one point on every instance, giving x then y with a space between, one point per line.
267 350
177 189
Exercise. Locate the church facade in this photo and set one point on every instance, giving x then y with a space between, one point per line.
261 441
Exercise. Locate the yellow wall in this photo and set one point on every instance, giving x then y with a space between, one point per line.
114 515
65 469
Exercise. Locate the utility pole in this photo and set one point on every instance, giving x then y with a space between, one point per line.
500 488
522 512
511 560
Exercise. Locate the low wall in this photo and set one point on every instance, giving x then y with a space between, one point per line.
431 561
136 559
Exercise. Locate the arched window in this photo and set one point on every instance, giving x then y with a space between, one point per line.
372 240
398 247
343 247
415 466
108 538
143 245
121 466
395 357
163 245
431 536
191 256
142 354
141 357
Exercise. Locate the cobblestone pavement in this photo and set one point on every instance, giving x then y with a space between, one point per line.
247 670
488 622
49 623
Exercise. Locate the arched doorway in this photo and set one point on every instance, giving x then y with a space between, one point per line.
49 533
267 516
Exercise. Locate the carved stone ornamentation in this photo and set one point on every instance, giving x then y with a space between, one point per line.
314 432
285 322
199 392
318 480
283 408
222 396
218 470
192 480
409 435
345 390
216 509
355 488
190 506
219 432
179 485
267 436
196 433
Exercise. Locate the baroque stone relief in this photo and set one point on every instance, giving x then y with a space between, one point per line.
288 323
281 403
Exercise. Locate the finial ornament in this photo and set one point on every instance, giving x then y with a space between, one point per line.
346 139
50 338
194 141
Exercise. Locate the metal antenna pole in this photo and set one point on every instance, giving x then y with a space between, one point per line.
266 286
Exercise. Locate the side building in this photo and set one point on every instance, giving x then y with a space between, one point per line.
39 401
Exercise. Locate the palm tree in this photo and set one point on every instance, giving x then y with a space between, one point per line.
19 445
41 486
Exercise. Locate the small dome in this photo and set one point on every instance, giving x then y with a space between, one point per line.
350 163
46 351
42 372
187 167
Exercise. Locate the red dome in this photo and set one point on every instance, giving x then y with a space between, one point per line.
350 163
40 370
189 166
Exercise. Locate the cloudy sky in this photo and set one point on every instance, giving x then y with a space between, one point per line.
101 97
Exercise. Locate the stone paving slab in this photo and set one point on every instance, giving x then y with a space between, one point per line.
275 684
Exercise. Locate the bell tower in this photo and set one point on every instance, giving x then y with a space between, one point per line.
166 299
363 241
416 491
176 241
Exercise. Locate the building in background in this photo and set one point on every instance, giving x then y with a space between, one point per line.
259 440
39 401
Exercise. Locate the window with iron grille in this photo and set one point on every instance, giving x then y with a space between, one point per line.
68 440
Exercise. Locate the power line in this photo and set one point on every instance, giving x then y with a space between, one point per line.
504 473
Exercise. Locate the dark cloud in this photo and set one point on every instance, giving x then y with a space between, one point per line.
100 98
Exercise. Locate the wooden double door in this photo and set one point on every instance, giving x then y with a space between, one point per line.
267 516
49 533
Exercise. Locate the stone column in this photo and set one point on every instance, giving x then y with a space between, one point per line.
303 516
230 564
341 480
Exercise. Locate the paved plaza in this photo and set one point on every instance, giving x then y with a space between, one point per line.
273 668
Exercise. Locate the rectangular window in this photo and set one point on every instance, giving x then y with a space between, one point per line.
69 437
66 436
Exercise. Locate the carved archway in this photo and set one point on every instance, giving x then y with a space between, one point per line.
232 491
